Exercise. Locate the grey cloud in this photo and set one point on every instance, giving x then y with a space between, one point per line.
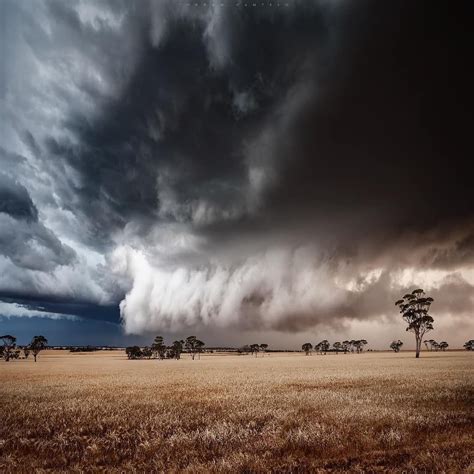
32 246
15 200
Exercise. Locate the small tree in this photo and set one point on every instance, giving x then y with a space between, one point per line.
199 348
133 352
37 344
9 344
337 347
147 352
254 349
307 347
193 345
177 348
396 345
469 345
322 346
263 348
26 351
359 345
414 308
346 346
158 347
443 345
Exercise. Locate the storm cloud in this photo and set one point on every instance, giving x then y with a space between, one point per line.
221 165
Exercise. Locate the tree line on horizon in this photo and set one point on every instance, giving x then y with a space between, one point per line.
253 349
323 347
159 350
193 346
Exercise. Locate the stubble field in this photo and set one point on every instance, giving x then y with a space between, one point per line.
228 413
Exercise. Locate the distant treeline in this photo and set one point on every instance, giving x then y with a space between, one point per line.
86 349
159 350
323 347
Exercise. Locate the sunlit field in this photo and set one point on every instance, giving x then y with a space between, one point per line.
229 413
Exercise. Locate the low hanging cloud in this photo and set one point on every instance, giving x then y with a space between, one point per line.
264 291
271 168
16 310
288 289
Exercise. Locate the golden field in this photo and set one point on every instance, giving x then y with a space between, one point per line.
228 413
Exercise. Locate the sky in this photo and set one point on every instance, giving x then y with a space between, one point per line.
280 172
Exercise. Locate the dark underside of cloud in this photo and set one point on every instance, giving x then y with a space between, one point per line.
381 126
236 159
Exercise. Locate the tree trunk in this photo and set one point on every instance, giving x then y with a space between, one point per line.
418 346
34 355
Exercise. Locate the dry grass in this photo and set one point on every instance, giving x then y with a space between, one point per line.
281 413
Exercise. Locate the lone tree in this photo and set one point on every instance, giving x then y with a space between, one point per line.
396 345
37 344
414 308
469 345
307 347
9 344
193 345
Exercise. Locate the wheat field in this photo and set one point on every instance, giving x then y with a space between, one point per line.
228 413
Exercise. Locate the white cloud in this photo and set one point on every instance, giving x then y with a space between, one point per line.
15 310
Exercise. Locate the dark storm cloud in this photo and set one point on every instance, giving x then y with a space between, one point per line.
23 240
172 145
251 166
52 305
32 246
369 138
15 200
385 135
